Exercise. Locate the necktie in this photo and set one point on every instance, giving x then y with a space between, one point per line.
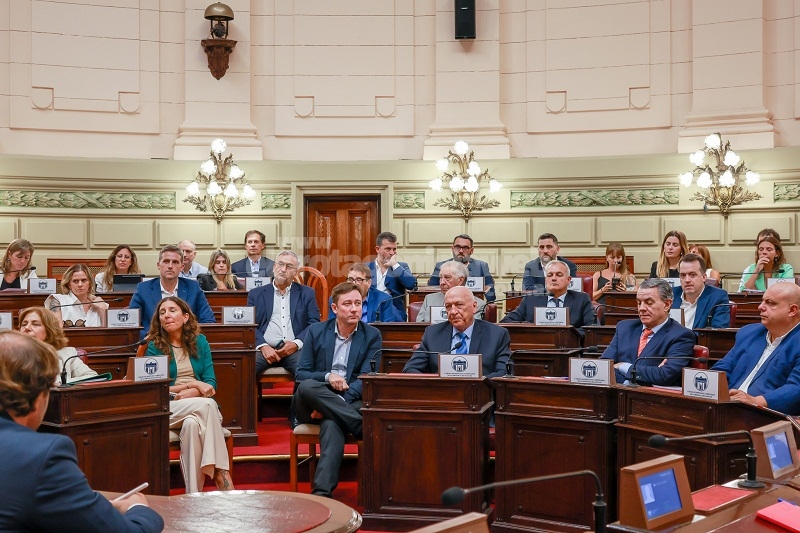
643 340
556 302
462 338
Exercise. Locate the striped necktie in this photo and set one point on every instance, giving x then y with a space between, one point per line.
643 340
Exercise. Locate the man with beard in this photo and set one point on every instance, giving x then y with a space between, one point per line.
462 252
533 278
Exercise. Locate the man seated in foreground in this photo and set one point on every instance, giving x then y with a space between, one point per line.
653 335
451 274
462 334
46 491
763 367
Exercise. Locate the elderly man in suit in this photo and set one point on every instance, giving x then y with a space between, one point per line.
534 277
452 274
253 266
390 275
654 335
702 305
579 304
284 311
763 367
149 293
335 354
462 334
46 489
462 253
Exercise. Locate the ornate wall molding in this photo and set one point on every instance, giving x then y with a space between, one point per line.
87 200
276 200
785 192
409 200
595 198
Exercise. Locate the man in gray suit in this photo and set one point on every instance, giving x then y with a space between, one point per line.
462 253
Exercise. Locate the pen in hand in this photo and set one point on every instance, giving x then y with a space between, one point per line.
132 492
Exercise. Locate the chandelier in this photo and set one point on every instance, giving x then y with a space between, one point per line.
464 181
721 178
216 186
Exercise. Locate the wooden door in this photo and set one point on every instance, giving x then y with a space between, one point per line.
340 231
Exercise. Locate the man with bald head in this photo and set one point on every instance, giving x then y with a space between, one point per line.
763 367
462 334
452 274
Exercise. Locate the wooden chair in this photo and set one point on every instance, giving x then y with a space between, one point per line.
733 309
57 267
413 311
308 434
699 351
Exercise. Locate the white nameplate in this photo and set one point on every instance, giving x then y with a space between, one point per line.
551 316
239 315
677 315
591 371
466 365
773 281
706 384
148 368
475 283
123 318
576 285
252 283
438 314
42 286
673 282
6 321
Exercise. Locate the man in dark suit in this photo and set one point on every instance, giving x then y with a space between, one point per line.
284 311
462 252
46 491
335 354
533 278
253 266
654 334
581 312
698 300
462 330
763 367
390 276
376 305
149 293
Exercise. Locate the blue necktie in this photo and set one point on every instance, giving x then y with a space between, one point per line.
462 338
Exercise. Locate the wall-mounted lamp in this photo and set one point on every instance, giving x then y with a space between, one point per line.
218 47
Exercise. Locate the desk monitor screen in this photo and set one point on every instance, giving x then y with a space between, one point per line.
655 494
660 493
126 282
776 450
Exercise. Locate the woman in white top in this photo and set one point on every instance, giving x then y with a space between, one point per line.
16 265
121 261
42 324
78 306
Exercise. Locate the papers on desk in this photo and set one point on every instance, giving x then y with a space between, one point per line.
90 379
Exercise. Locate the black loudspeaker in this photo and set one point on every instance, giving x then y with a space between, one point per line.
465 19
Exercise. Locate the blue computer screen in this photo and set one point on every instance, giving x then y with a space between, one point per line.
780 456
660 493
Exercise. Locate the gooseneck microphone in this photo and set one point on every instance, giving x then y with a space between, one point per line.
65 376
455 495
84 303
29 269
633 382
658 441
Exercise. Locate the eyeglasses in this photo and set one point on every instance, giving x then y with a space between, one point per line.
458 248
287 266
358 280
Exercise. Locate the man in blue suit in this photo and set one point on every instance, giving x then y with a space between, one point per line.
462 252
149 293
390 276
253 266
702 305
46 491
462 334
284 311
376 305
534 277
335 354
653 335
763 367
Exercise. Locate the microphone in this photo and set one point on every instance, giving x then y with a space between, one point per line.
31 268
373 362
513 278
84 303
633 383
607 306
455 495
657 441
590 350
728 304
64 375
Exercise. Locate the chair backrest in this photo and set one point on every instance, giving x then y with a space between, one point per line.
711 282
490 312
313 278
587 285
57 267
699 351
413 311
733 308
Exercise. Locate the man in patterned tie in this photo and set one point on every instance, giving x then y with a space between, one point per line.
654 335
462 334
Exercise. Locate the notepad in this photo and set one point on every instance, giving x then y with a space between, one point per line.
783 514
91 379
716 497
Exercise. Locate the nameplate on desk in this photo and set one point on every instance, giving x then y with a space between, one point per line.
453 365
475 283
576 285
239 315
6 321
705 384
123 318
673 282
147 368
773 281
438 314
551 316
252 283
42 286
677 316
591 371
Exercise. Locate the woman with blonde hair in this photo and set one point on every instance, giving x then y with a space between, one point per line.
219 276
77 305
615 277
673 247
121 261
16 265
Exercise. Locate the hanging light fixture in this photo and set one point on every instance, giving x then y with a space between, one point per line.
464 176
217 184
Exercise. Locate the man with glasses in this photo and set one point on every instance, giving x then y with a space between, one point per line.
388 274
462 253
452 274
376 306
284 310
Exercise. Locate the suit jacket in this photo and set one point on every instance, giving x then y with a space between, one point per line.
376 300
398 281
581 312
316 358
148 294
672 340
302 304
778 379
48 492
533 277
710 297
489 340
241 268
477 269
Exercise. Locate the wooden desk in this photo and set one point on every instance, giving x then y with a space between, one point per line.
422 435
599 336
747 313
718 341
546 427
422 291
553 362
620 299
120 430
